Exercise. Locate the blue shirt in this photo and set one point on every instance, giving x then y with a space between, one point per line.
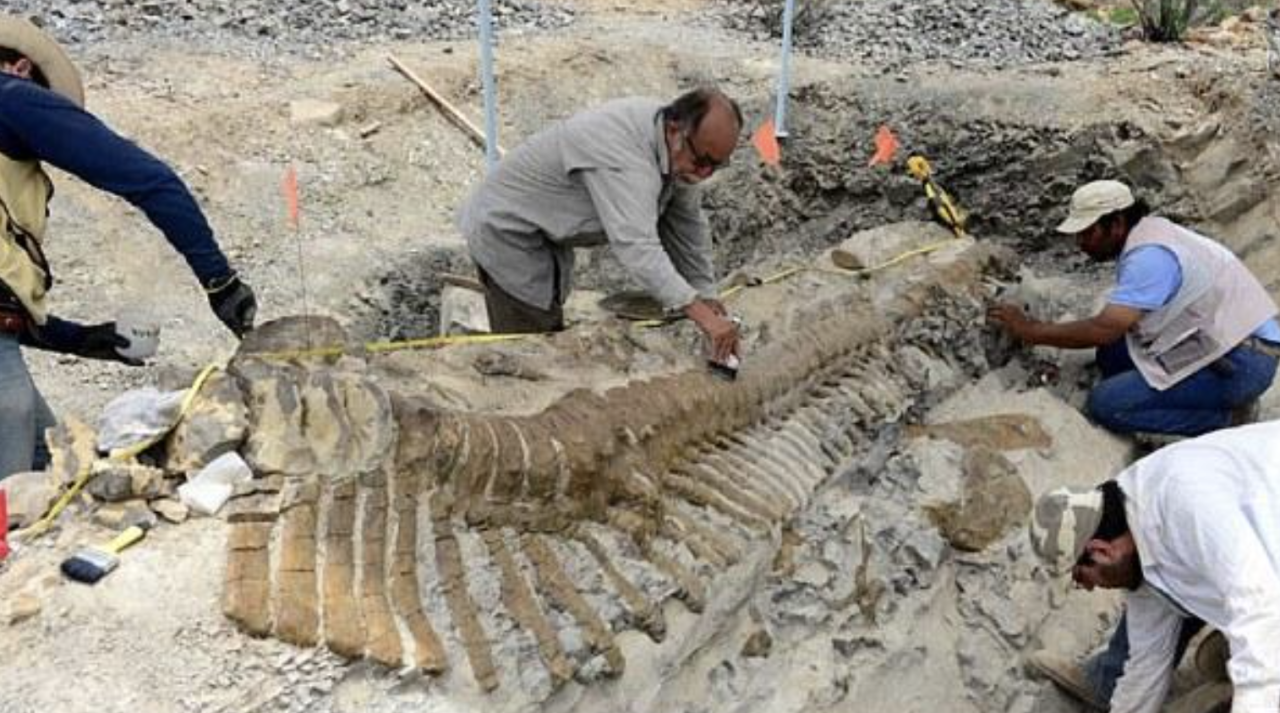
1149 276
37 124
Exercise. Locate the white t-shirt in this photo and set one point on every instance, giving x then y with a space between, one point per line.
1205 515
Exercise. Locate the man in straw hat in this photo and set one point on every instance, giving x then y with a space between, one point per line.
42 120
1188 339
1192 532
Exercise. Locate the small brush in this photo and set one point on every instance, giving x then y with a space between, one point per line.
93 563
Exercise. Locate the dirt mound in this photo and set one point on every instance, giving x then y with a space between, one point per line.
895 33
827 191
311 22
404 301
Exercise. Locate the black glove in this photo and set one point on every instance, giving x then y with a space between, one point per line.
91 341
88 341
233 302
100 341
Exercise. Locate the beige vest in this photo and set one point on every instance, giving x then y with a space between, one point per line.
24 202
1219 304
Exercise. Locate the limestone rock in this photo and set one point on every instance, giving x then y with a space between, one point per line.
30 495
170 510
118 516
462 311
496 363
876 246
137 418
216 424
758 644
994 500
846 260
146 482
309 112
110 483
21 608
115 481
72 445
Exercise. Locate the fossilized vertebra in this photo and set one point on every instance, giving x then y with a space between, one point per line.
392 514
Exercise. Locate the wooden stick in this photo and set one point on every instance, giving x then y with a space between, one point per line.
443 104
469 283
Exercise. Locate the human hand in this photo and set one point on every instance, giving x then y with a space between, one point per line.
100 341
721 333
1012 319
234 303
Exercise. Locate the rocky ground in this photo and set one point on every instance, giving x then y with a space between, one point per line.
296 26
1015 102
890 34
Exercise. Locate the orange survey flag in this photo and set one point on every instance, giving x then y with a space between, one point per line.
886 147
290 188
765 140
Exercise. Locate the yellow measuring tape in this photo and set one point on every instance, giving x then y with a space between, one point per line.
85 473
792 271
385 347
918 166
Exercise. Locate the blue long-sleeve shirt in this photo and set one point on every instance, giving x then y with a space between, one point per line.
38 124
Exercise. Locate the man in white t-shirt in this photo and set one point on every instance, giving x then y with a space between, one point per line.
1193 533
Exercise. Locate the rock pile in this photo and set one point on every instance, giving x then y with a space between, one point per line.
321 21
896 33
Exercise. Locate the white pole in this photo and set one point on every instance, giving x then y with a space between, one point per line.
486 78
784 73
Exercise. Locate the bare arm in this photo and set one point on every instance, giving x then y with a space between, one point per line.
1099 330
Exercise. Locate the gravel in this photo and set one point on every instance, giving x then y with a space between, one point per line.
311 22
897 33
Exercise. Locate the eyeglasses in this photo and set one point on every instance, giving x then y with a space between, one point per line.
702 161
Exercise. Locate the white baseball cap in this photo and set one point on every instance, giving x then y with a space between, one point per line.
1063 522
1094 200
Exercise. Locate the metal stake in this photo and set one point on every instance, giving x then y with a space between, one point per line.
784 72
486 78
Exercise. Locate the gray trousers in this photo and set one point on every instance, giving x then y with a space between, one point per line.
24 415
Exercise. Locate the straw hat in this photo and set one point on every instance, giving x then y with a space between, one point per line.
19 34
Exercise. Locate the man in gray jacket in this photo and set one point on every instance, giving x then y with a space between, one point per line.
624 173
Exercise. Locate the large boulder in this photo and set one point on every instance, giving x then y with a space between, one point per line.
29 496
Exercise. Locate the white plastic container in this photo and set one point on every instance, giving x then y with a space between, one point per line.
213 485
204 498
228 468
143 332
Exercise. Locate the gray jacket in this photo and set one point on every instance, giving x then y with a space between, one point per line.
599 176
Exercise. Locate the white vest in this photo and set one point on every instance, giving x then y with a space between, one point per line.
1219 304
